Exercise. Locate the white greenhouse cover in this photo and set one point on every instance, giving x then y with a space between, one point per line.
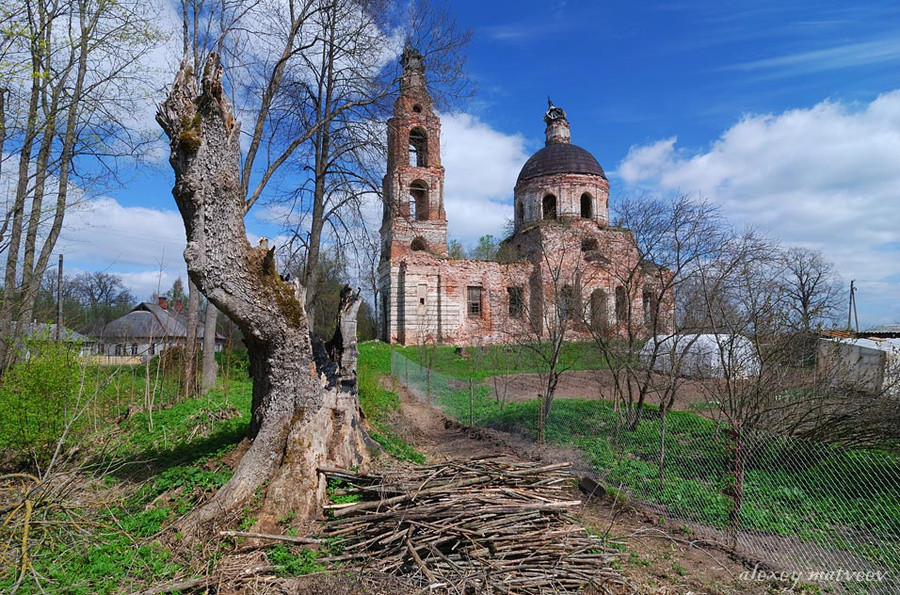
702 356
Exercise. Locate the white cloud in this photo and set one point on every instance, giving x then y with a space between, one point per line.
142 245
826 177
481 168
850 55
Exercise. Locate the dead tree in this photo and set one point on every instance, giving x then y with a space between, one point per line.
300 421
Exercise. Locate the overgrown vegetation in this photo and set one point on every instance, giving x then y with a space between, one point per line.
93 523
90 523
791 487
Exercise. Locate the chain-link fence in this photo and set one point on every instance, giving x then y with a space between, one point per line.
822 514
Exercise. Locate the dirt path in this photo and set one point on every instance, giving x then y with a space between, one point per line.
660 557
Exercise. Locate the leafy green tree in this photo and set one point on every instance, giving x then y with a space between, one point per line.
455 250
488 248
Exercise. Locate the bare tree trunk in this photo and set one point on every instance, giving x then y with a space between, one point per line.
208 375
298 423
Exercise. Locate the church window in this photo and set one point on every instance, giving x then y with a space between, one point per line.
621 304
568 304
549 207
520 212
516 301
473 301
599 312
418 148
651 306
587 206
588 244
417 108
419 245
418 201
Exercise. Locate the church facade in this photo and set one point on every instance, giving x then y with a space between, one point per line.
564 269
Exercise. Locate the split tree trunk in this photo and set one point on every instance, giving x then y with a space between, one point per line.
298 423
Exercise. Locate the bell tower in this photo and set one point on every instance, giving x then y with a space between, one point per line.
414 218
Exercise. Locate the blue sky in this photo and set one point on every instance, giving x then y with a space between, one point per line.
787 115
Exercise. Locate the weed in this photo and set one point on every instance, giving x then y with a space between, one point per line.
293 561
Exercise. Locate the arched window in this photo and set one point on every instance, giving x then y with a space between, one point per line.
621 304
651 308
568 303
419 245
588 244
418 148
520 212
418 201
587 206
549 207
599 311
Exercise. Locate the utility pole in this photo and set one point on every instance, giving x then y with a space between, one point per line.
59 300
851 313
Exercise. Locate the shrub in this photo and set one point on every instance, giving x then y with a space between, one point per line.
38 395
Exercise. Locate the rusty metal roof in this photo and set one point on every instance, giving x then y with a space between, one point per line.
561 158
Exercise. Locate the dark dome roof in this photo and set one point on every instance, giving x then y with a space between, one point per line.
560 158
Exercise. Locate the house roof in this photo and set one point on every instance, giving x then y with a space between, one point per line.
39 329
887 330
150 321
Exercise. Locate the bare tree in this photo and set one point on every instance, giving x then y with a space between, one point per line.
543 327
674 239
813 288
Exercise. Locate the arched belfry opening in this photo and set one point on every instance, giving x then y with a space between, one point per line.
419 245
418 147
587 206
548 207
418 201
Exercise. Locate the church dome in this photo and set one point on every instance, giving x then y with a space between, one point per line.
560 158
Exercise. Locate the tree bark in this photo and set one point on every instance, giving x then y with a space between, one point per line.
298 421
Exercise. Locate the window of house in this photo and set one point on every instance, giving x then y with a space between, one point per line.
516 301
587 206
418 200
549 207
473 301
418 148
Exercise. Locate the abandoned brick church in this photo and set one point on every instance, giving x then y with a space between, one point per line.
563 264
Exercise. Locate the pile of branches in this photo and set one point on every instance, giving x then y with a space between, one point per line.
480 526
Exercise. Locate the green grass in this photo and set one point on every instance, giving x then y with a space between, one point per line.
492 360
814 501
159 471
379 404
